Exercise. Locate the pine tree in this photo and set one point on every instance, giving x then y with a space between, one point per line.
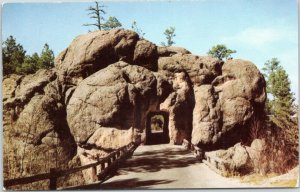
281 108
220 51
269 69
13 55
96 13
46 58
170 34
35 62
111 23
30 65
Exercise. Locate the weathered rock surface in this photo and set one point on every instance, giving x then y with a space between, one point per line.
118 96
18 90
103 88
206 116
239 158
36 135
257 155
96 50
180 105
169 51
230 101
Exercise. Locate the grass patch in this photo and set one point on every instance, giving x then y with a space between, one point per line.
256 179
266 180
284 183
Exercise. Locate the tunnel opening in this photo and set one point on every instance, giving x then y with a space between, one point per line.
157 131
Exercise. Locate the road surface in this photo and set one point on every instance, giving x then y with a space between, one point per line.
165 166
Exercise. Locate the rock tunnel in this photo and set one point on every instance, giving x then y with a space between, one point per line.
107 86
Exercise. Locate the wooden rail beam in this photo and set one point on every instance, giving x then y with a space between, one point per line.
113 159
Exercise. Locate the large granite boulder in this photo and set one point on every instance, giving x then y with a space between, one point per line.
206 116
179 104
118 96
239 159
228 104
18 90
94 51
36 134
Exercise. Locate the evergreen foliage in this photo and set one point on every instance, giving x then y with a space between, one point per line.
282 121
46 58
170 34
30 64
13 55
15 60
111 23
220 51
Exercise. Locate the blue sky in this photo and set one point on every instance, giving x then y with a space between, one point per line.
257 29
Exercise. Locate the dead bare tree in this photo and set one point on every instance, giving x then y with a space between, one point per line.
96 13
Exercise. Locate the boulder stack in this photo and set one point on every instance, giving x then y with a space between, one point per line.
104 85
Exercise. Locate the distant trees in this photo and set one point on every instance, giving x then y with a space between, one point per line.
136 29
30 64
282 121
111 23
220 51
13 55
15 60
157 123
170 34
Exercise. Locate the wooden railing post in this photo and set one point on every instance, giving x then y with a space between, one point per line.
53 179
107 165
94 173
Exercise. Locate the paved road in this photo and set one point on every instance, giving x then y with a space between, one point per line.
165 166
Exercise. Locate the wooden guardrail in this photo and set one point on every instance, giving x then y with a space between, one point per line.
217 164
107 165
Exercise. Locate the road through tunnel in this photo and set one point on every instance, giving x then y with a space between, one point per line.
157 128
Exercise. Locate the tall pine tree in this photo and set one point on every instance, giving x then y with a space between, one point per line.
280 108
46 58
13 55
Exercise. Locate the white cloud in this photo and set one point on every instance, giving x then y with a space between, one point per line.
260 37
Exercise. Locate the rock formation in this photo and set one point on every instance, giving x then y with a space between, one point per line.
239 159
104 85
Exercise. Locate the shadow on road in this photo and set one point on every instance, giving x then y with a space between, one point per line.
153 161
124 184
146 160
